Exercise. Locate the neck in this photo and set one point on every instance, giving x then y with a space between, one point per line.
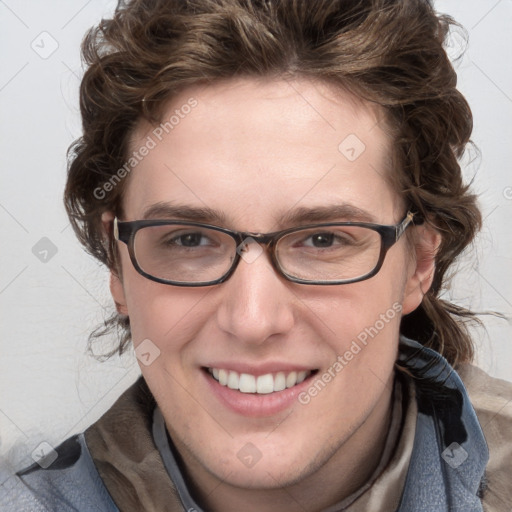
347 469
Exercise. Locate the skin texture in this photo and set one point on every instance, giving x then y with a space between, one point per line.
256 151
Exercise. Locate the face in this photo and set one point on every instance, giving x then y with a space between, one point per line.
254 154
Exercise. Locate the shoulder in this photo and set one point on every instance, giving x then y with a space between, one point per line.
68 483
69 478
492 401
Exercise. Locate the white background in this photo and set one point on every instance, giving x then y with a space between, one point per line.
49 387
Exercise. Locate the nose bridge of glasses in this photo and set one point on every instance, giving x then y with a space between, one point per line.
247 238
260 240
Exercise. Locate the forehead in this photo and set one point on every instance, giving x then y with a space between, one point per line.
253 150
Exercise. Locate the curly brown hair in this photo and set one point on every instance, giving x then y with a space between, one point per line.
389 52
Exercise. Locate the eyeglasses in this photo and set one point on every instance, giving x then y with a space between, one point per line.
182 253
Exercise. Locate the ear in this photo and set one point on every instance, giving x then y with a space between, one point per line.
117 291
426 242
116 284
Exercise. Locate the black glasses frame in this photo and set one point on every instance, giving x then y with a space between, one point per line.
125 231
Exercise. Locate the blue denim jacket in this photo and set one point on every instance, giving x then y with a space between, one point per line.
446 470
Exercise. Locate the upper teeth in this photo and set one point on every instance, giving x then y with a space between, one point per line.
268 383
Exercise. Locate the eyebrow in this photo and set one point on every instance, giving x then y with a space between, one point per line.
334 213
297 216
164 210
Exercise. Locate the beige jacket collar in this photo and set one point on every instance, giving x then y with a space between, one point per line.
133 472
130 465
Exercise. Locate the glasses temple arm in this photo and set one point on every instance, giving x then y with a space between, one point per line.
116 229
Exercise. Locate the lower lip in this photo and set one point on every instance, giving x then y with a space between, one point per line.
253 404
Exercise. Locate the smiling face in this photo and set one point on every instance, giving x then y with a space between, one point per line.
260 157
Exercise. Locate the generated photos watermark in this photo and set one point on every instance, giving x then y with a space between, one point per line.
357 345
146 352
149 144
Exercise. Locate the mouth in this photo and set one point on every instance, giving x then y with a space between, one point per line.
259 384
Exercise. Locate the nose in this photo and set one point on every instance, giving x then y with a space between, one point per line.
257 304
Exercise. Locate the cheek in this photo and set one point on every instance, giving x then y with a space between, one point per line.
160 312
350 309
170 317
361 321
362 334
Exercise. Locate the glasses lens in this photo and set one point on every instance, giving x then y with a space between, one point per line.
181 253
330 253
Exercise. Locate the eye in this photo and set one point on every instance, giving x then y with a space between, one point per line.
183 237
321 240
327 239
189 240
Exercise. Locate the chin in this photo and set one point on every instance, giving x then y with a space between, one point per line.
267 475
273 465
